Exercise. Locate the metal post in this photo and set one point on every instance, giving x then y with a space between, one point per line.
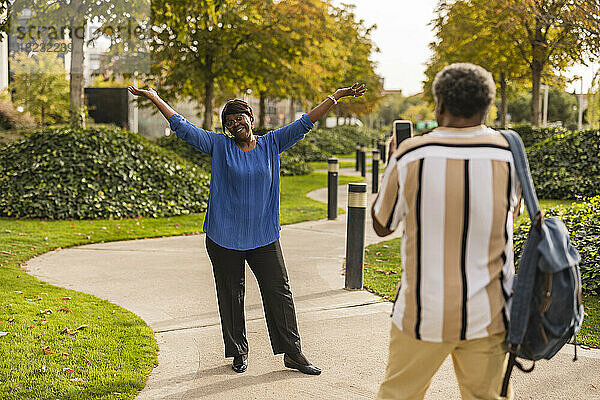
363 161
333 169
357 157
382 151
375 169
355 235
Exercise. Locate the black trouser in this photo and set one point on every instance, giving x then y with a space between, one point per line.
269 269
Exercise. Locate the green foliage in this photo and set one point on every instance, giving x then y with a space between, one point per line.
185 150
342 139
532 135
562 107
306 150
96 173
293 165
566 165
583 222
322 143
40 86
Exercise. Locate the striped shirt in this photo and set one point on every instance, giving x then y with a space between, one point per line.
453 194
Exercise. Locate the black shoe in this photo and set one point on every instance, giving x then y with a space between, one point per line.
308 369
240 363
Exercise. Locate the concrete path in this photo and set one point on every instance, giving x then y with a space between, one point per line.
168 282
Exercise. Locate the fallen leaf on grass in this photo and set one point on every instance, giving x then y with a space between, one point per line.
18 292
47 350
42 370
29 327
69 331
65 309
385 272
4 333
77 380
65 354
43 322
46 311
11 319
82 327
68 370
34 299
66 298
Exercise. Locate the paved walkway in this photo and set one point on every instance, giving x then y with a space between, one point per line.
168 282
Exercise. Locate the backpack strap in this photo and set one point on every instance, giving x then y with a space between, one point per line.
524 281
522 166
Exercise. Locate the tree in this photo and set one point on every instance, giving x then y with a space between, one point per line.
45 95
593 110
57 18
546 35
354 49
292 59
464 34
205 47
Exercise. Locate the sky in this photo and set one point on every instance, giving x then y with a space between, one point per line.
403 35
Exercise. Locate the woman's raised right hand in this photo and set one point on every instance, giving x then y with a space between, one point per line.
149 93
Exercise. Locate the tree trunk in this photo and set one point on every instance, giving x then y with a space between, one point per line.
292 110
261 110
503 102
209 99
43 111
76 105
209 93
536 79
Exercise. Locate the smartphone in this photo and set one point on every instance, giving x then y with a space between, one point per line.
403 129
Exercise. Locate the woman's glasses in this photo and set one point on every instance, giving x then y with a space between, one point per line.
231 122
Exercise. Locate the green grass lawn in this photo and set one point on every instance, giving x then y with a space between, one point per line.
44 355
295 206
383 268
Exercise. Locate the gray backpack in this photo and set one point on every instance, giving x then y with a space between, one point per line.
547 309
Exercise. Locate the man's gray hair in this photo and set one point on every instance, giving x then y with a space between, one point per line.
464 89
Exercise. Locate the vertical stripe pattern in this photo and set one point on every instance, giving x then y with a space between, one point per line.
455 194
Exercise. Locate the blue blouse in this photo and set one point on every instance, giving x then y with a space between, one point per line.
243 202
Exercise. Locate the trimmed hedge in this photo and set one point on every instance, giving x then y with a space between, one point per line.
293 165
532 135
185 150
567 165
96 173
583 222
306 151
342 139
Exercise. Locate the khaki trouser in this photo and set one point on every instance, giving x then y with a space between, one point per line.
479 365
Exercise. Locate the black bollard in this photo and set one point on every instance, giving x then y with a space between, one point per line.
357 157
375 169
355 235
363 161
333 169
382 152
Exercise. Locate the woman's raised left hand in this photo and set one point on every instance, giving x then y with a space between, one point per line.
355 90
